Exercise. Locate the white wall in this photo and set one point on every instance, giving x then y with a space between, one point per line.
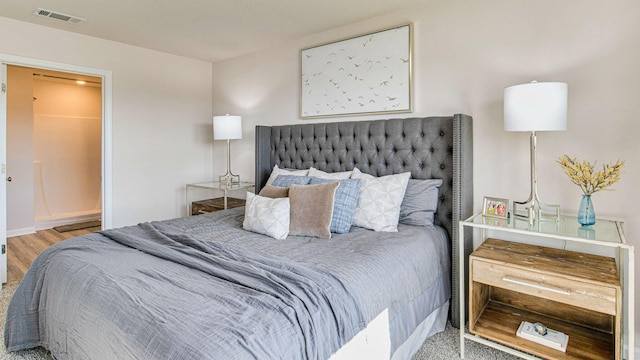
466 53
161 115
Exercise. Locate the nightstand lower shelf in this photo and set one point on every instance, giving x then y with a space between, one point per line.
211 196
211 205
499 322
574 293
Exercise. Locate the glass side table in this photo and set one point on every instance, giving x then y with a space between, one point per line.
209 189
605 238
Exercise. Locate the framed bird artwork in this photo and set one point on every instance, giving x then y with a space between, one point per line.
365 74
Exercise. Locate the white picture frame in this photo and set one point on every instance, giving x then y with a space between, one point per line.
495 207
366 74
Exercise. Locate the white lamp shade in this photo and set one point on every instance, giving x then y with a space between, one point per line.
227 127
536 107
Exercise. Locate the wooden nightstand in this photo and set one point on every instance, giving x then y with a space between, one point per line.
217 204
574 279
214 195
575 293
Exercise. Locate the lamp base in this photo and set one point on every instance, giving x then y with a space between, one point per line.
229 179
533 206
536 210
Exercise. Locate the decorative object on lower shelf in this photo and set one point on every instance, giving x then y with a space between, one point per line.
540 329
551 338
582 174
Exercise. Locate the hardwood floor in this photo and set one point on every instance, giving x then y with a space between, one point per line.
22 250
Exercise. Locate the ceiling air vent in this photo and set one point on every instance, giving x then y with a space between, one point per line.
59 16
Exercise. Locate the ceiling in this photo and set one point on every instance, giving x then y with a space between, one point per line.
210 30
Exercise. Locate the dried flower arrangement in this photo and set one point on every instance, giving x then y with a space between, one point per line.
582 174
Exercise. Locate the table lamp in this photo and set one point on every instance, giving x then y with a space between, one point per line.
537 106
228 127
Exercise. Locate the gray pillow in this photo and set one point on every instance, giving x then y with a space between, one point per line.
420 202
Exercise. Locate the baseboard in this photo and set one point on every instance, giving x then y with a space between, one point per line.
66 219
20 232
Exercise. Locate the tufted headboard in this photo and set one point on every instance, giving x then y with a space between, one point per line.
432 147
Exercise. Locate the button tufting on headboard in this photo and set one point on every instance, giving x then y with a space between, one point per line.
422 146
380 147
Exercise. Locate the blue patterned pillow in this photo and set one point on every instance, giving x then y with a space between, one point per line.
345 203
287 180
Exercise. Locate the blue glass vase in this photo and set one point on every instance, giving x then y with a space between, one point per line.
586 215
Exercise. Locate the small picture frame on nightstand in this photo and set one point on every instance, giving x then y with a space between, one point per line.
495 207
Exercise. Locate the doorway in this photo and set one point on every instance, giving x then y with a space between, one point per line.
54 122
106 139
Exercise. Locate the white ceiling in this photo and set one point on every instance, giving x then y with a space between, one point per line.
210 30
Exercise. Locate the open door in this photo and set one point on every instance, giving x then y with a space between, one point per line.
106 186
3 175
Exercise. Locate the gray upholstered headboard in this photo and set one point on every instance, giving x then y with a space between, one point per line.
432 147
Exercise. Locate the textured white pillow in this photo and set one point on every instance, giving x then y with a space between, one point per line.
277 171
267 216
380 199
325 175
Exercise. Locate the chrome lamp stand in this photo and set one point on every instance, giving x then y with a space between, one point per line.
533 205
229 178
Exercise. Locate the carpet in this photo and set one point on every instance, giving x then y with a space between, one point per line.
78 226
442 346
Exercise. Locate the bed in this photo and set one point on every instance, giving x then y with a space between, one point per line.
203 287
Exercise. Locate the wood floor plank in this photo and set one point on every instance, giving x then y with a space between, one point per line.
22 250
51 236
34 244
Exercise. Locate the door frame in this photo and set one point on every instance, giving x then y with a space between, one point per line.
107 159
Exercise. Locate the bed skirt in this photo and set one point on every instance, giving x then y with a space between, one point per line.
374 343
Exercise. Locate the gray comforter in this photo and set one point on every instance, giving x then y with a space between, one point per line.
203 288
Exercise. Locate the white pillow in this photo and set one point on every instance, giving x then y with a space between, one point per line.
380 199
360 175
267 216
277 171
325 175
